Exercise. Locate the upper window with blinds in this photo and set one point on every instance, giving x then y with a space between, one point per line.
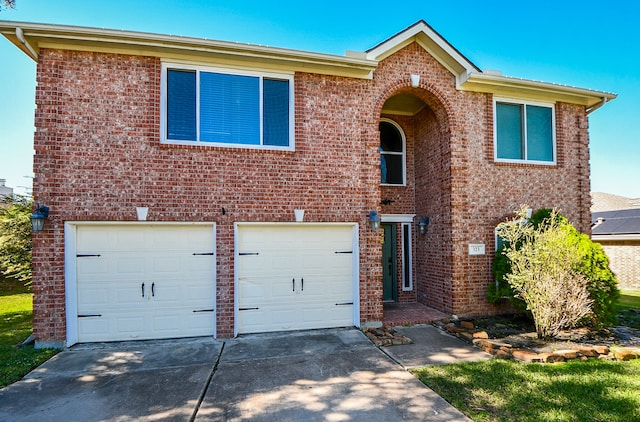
215 107
524 132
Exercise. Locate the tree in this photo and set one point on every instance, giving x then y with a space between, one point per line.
7 4
15 238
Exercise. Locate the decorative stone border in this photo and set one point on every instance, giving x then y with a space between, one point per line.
386 336
500 348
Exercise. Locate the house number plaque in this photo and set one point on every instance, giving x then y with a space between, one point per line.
476 248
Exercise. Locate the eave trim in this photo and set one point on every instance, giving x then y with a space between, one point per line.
157 45
535 90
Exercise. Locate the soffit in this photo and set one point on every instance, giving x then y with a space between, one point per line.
184 48
505 86
404 105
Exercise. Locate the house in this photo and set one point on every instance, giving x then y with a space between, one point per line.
403 158
618 231
5 191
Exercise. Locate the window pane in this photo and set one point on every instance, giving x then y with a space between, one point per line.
393 166
275 118
390 137
406 259
539 134
181 105
229 108
509 131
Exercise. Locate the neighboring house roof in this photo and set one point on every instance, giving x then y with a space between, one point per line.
616 225
601 201
30 37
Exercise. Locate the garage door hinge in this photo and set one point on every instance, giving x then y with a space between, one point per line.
344 251
344 303
203 310
89 315
80 255
247 309
203 253
248 253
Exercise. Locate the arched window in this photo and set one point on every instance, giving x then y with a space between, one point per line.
392 153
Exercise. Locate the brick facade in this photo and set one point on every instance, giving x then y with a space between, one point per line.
98 156
624 261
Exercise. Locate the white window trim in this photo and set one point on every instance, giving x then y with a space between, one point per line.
403 153
524 103
198 69
410 257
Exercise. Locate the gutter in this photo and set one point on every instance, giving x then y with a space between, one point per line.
24 42
597 106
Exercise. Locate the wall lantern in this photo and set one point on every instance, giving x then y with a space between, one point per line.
37 218
415 81
374 219
424 222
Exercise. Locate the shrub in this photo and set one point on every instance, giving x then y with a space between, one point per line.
15 238
592 265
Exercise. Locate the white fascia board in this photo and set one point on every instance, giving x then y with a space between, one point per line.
532 90
171 46
432 42
614 237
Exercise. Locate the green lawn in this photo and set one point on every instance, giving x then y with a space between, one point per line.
629 299
629 308
16 313
504 390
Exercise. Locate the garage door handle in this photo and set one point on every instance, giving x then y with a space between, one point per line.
302 282
153 287
142 289
294 284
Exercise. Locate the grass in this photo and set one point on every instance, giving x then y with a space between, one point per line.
504 390
16 314
629 299
629 308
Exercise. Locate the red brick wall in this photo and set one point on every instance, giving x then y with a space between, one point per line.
98 156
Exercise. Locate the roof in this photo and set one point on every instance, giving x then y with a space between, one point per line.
601 201
31 37
619 223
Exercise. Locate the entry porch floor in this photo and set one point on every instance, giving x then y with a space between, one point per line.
397 314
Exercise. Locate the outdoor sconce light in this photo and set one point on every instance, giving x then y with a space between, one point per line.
424 222
374 219
415 80
37 218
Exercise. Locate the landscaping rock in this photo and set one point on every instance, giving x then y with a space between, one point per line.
480 334
386 336
467 324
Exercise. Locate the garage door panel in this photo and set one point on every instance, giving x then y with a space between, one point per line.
294 252
158 256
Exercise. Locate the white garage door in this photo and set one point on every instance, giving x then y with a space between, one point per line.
144 281
293 277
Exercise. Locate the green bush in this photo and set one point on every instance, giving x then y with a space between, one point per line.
593 265
15 238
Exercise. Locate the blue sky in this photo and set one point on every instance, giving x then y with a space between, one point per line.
589 44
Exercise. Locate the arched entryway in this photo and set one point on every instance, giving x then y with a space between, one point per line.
415 186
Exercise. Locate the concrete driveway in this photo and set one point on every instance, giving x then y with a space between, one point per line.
323 375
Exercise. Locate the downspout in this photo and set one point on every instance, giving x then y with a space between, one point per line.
24 42
597 105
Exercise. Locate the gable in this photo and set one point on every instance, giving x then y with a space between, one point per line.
432 42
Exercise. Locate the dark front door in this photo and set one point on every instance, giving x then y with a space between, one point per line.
389 263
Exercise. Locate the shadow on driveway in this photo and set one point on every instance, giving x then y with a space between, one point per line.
323 375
